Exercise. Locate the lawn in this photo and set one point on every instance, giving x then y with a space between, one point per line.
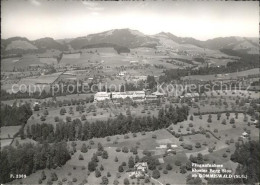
9 131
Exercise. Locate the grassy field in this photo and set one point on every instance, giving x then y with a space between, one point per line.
224 77
73 168
9 131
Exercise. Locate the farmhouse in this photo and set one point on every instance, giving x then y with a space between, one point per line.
140 169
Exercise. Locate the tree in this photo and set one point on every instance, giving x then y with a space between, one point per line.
232 121
68 118
147 180
219 115
116 159
100 147
97 173
224 122
84 148
101 167
131 162
126 181
120 169
183 169
54 176
115 182
92 166
104 154
43 118
188 165
198 145
104 180
236 114
178 163
83 117
125 149
156 174
56 119
191 118
227 114
137 159
36 107
43 176
168 167
200 158
81 157
46 112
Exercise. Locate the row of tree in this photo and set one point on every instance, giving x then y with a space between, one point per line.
27 158
76 130
13 115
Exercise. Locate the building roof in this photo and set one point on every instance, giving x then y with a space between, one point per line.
157 93
144 165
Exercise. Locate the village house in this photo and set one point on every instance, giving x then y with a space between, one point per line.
140 169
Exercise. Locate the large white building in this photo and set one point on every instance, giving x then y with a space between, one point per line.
135 95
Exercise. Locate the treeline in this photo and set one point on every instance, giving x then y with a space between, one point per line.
118 48
246 61
28 158
248 157
13 115
37 95
76 130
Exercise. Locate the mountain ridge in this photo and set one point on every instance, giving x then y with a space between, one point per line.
126 38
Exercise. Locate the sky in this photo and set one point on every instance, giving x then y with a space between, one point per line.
61 19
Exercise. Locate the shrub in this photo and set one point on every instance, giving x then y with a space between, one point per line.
154 136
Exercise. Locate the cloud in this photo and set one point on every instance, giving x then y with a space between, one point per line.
35 2
93 6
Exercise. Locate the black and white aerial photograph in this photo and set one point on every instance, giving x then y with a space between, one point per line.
129 92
